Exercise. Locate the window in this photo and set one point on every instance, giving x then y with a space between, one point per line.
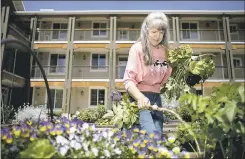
57 96
189 31
60 31
237 62
97 97
98 61
123 35
199 92
57 63
233 28
99 29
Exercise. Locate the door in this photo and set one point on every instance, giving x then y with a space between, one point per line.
122 62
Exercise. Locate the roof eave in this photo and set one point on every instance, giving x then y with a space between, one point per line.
126 12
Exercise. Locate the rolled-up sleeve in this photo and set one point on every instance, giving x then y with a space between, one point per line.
133 71
167 75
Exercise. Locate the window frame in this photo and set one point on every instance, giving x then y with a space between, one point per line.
233 25
91 64
53 100
198 30
240 61
60 30
90 97
49 64
92 28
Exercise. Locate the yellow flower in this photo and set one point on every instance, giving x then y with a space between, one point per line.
29 122
136 144
151 135
17 133
143 132
67 125
136 130
155 149
146 141
141 156
25 134
4 136
142 145
9 140
43 128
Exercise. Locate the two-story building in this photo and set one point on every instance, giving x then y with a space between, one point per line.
84 53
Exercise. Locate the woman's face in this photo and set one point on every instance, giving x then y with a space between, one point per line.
155 36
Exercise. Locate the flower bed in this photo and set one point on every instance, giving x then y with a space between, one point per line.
77 139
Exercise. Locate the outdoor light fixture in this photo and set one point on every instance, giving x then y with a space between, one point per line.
82 93
84 57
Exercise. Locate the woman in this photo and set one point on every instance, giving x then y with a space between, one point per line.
147 70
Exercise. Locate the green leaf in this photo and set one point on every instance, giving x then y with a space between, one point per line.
39 149
240 128
109 114
241 92
230 110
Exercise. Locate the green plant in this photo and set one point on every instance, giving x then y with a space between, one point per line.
183 67
217 120
204 67
124 114
39 149
64 138
92 114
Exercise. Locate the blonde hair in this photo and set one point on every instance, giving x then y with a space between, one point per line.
156 20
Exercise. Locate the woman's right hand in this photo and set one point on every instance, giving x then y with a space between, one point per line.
143 102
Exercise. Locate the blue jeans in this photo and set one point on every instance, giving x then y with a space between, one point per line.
151 121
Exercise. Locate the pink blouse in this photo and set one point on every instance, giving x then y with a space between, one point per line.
146 78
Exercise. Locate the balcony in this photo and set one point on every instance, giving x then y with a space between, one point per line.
52 35
92 35
51 72
239 73
12 80
238 36
133 34
201 35
120 72
90 72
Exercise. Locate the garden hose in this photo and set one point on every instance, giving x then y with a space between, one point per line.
50 103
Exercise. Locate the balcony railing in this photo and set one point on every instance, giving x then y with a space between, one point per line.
120 72
102 72
238 36
202 35
198 35
239 72
90 72
91 34
128 34
50 71
133 34
52 35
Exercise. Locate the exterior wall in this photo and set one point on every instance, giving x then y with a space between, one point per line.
39 96
79 100
82 67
